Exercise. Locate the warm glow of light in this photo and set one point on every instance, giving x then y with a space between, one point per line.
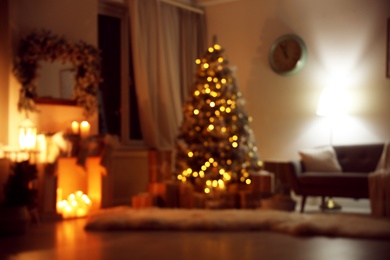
217 46
333 102
220 59
210 127
206 65
27 135
85 128
211 49
207 190
75 127
196 92
196 111
76 205
212 104
42 148
198 61
223 81
209 79
234 144
248 181
218 86
190 154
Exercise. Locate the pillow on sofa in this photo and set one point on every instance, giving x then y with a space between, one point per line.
322 159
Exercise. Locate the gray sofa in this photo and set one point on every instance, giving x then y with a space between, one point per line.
356 162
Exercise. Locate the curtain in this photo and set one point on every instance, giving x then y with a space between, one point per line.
5 70
192 33
161 52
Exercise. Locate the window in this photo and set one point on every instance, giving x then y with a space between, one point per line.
118 108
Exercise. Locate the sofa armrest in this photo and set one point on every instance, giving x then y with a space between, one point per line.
296 167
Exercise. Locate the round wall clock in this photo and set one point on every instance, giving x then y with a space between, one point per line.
288 55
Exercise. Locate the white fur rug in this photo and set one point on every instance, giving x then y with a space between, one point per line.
294 223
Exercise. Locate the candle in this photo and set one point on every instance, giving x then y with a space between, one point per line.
84 128
75 127
77 205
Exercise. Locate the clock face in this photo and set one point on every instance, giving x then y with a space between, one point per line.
288 55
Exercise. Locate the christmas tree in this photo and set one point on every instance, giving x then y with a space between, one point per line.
215 146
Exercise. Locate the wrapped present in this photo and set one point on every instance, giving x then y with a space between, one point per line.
160 163
263 183
143 200
249 200
186 191
232 200
199 200
166 193
237 187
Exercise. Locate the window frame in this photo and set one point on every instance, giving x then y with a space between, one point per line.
121 11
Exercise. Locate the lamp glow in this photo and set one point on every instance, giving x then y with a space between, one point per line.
333 102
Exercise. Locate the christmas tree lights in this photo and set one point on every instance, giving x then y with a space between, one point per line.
215 146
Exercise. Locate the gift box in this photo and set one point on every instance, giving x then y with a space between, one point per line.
143 200
232 200
166 193
249 200
263 183
199 200
237 187
186 191
160 163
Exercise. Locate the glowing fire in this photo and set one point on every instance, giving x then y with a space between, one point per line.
77 205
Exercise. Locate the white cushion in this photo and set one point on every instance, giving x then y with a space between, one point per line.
322 159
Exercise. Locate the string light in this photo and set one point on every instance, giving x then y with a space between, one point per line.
220 124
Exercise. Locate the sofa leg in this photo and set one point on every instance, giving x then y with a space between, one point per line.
303 203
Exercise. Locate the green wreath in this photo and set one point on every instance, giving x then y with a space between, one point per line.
45 46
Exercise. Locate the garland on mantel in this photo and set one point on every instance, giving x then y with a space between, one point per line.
46 46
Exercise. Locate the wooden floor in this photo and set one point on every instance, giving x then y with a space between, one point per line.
68 240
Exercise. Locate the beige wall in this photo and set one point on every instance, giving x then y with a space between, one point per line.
76 20
346 43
